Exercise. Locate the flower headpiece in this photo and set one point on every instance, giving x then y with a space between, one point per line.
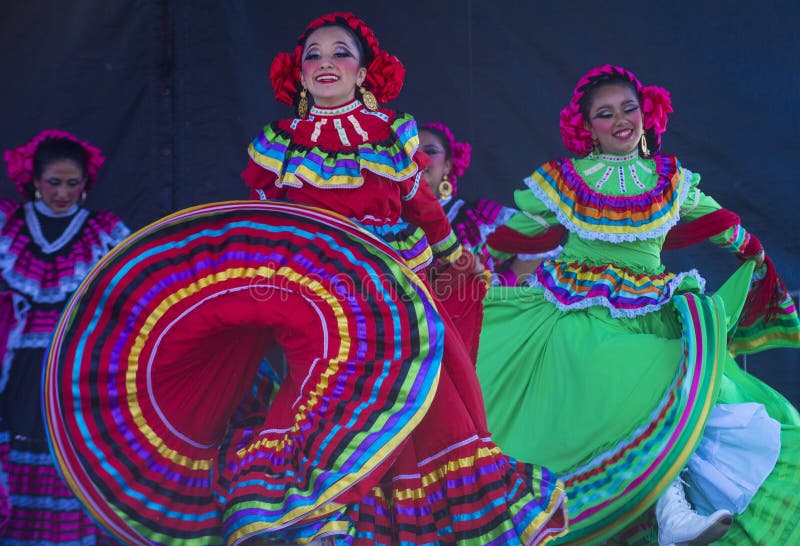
385 73
655 101
19 161
460 152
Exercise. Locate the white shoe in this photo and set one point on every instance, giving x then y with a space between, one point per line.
679 525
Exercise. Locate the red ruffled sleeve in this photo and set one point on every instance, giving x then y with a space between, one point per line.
257 178
421 208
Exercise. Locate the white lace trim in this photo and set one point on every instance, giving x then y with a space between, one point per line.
32 287
47 211
602 301
33 340
503 217
66 236
506 214
453 212
540 255
413 191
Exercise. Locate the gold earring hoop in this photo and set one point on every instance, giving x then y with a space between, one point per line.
302 104
37 195
368 99
445 188
645 149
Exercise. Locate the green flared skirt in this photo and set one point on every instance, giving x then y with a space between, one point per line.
617 406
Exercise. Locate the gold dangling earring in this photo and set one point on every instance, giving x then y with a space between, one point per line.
645 149
445 188
368 99
302 104
37 195
83 196
595 146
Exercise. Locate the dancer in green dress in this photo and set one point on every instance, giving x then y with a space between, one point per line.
618 374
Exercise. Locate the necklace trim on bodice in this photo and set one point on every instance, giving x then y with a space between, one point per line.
622 169
610 158
336 111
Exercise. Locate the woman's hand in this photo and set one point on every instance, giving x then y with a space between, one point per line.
478 268
759 258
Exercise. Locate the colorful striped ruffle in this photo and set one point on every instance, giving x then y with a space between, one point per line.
43 510
202 292
463 496
295 163
594 215
467 494
781 331
574 285
737 241
448 249
407 240
616 487
42 277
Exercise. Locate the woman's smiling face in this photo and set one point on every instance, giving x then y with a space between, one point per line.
331 68
615 118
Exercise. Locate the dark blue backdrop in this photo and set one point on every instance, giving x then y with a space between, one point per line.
174 90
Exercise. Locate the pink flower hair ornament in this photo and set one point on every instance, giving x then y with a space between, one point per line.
460 152
19 161
385 72
655 102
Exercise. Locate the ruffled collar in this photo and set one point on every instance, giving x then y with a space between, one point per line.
351 106
35 227
333 149
44 210
582 208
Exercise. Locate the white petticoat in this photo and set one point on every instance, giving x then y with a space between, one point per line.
738 450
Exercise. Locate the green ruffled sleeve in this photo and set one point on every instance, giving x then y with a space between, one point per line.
698 204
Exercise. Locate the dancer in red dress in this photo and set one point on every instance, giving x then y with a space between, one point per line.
173 429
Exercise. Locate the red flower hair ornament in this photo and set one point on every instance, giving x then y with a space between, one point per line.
19 161
655 102
385 72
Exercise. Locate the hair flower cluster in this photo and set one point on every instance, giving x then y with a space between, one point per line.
19 161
